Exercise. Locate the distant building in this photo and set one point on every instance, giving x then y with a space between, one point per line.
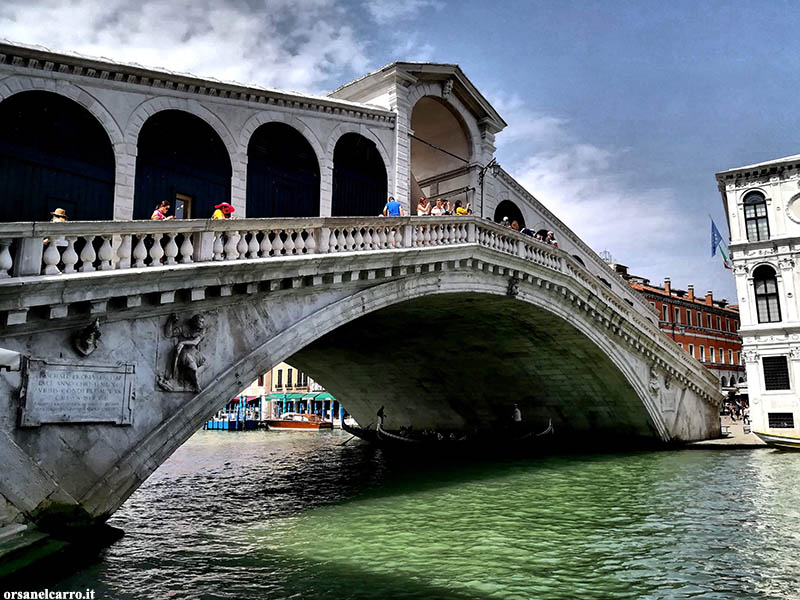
762 206
286 388
704 327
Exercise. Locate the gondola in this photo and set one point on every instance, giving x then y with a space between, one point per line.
438 442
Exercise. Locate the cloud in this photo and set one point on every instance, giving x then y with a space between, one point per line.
388 11
592 189
290 44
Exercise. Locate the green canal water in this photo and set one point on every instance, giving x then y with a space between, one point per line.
283 515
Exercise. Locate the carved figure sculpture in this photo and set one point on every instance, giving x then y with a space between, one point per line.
513 287
186 359
85 340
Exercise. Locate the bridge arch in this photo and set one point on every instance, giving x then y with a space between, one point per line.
55 152
610 392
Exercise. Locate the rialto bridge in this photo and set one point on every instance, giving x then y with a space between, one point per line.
121 337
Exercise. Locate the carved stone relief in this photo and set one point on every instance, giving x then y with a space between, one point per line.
182 373
85 340
513 287
751 356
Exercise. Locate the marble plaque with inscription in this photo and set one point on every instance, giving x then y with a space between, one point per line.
76 393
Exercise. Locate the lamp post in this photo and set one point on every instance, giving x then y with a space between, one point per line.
492 164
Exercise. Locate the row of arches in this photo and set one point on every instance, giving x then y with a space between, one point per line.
55 153
730 382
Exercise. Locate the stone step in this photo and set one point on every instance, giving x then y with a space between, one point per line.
23 539
9 531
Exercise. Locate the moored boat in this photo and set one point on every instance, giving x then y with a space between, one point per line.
298 422
779 440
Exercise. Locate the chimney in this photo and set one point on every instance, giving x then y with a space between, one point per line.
667 286
691 293
709 297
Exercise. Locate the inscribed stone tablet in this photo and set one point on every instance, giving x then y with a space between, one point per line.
76 393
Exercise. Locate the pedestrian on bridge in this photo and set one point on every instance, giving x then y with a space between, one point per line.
393 208
223 211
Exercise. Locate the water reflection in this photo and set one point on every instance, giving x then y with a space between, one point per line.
266 515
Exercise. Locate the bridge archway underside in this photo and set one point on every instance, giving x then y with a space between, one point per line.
504 329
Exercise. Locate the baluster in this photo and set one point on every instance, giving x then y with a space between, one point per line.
156 251
299 243
51 258
6 262
242 245
123 252
219 246
106 254
170 248
426 237
266 245
349 241
277 244
140 251
289 245
368 242
252 246
311 245
231 251
69 257
187 248
338 240
88 255
358 240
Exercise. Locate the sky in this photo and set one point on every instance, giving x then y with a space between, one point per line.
619 113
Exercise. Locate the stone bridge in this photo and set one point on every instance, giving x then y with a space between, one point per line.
122 338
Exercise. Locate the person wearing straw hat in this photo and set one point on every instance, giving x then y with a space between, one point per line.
59 215
223 211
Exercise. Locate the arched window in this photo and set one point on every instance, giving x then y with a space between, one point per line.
724 381
508 209
755 217
766 289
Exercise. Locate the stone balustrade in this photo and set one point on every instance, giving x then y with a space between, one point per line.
42 249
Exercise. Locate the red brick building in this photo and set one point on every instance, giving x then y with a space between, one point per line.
704 327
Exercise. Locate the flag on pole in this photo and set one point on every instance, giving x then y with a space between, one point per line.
716 242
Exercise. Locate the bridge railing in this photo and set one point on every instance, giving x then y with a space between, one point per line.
34 249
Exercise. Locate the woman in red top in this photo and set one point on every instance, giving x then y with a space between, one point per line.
160 213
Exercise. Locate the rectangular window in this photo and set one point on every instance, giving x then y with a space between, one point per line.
721 355
776 373
279 385
711 356
289 377
730 356
677 314
183 206
727 324
781 420
665 311
708 319
699 319
719 323
739 358
703 353
260 381
691 350
688 317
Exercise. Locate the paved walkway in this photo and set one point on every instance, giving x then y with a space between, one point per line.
737 438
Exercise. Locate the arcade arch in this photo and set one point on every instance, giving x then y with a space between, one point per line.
283 178
54 153
359 177
508 209
180 159
441 151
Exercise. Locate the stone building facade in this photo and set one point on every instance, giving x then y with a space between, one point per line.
762 207
706 328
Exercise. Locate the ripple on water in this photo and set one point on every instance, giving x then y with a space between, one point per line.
266 515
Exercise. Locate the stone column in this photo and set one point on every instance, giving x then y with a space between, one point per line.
398 102
787 295
325 187
124 180
238 186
